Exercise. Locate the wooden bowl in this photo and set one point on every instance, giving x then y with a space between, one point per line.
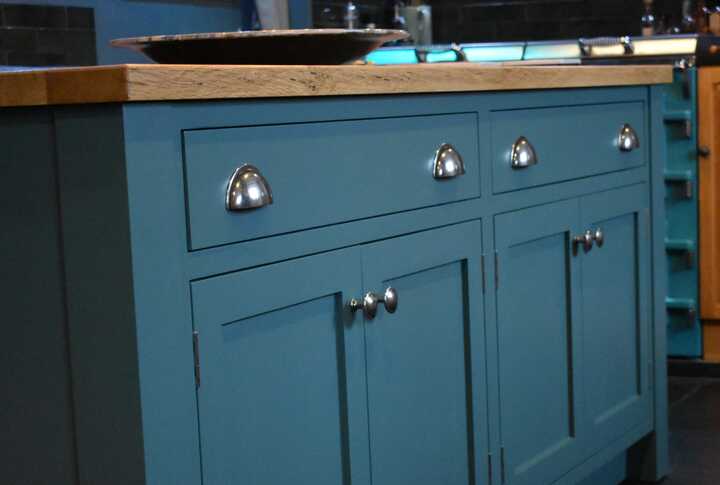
302 46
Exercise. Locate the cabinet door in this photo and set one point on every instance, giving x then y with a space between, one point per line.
709 179
616 299
425 362
538 325
282 379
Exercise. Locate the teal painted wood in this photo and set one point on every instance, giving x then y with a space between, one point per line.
36 412
650 459
139 160
282 394
324 173
539 342
209 262
602 461
570 142
161 295
613 473
426 362
101 309
616 314
684 331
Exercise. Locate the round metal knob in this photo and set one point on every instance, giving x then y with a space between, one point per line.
585 240
247 189
523 154
369 303
448 163
599 237
628 139
390 299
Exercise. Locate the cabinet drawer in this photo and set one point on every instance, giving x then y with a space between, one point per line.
569 143
324 173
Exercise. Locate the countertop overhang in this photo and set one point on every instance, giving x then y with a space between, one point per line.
156 82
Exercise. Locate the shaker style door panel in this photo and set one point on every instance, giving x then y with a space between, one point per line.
282 386
538 324
616 300
426 362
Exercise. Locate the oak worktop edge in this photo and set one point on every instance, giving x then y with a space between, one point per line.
155 82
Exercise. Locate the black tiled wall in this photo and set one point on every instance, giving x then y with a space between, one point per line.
36 35
507 20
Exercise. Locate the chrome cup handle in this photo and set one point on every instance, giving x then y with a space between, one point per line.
448 163
522 154
628 139
247 189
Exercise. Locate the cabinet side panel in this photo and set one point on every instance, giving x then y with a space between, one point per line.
649 460
94 211
153 154
36 418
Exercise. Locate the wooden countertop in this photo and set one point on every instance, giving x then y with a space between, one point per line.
155 82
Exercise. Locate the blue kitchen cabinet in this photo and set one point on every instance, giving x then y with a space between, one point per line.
425 362
573 330
539 342
616 314
221 347
282 371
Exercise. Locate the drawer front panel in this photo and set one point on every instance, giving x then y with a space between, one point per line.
324 173
569 143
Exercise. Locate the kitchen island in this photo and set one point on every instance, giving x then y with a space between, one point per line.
350 274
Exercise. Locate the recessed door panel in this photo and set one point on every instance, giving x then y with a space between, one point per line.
539 337
616 313
282 390
425 362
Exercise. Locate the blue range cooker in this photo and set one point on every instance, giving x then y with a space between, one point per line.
687 53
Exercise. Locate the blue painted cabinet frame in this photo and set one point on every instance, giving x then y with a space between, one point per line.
540 351
136 291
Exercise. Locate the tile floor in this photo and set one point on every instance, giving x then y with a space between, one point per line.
694 431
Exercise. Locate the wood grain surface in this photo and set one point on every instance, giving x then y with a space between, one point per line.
155 82
709 181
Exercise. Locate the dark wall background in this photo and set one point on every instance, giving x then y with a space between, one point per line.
506 20
34 35
124 18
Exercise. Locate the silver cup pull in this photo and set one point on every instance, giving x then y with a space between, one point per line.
584 240
369 303
247 189
448 163
599 237
523 154
628 139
